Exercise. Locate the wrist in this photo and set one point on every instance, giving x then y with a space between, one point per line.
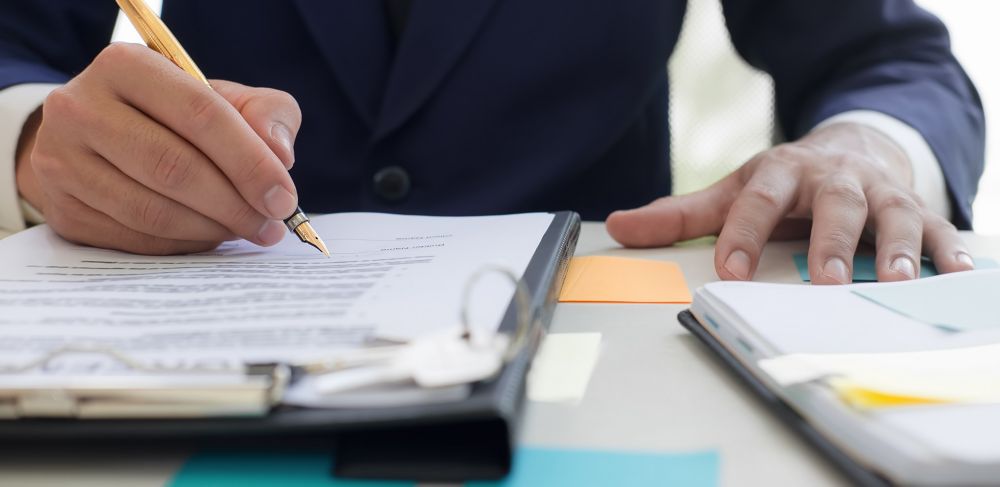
27 185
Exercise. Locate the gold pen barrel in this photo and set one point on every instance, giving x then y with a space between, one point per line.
158 37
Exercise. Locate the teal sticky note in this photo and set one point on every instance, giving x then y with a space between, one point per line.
864 267
266 468
586 468
962 302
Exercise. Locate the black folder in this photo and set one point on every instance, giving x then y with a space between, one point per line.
469 439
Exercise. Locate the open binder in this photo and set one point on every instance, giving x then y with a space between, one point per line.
471 438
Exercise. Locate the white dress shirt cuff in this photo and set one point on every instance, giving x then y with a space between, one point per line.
928 180
16 104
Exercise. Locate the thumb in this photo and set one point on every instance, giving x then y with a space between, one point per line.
274 115
672 219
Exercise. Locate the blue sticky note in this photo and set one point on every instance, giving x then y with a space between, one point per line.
532 467
586 468
267 468
864 267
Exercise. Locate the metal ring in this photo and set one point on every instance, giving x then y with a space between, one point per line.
295 220
522 308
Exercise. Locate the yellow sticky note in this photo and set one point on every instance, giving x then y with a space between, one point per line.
865 398
599 279
562 367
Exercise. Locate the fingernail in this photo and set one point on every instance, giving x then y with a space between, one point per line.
282 135
738 264
966 259
836 269
904 266
270 233
279 202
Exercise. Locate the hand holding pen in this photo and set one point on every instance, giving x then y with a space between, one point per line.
137 155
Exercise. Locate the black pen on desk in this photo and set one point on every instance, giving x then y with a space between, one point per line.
159 38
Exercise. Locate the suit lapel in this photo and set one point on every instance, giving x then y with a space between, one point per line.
354 39
437 34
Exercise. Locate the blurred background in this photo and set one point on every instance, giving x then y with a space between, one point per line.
721 108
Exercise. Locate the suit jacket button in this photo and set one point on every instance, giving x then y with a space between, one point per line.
392 183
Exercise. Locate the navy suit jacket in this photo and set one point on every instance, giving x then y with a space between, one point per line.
517 105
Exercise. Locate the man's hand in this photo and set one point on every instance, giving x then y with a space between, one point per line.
846 178
135 154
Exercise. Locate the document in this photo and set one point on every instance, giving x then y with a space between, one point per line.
390 277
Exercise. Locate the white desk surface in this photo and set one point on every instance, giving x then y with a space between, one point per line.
655 388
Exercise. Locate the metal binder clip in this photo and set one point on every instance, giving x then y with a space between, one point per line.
438 360
139 391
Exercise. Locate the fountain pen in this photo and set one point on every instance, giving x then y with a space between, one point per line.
156 35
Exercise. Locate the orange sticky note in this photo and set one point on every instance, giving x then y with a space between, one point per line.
598 279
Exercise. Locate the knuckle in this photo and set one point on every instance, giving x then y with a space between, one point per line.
244 220
839 242
117 54
786 153
269 102
45 165
902 245
846 193
61 103
257 172
744 232
204 108
278 98
899 200
154 214
172 169
766 195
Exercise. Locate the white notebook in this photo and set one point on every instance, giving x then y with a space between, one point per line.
940 444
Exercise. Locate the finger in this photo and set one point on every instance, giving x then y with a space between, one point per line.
839 214
167 164
898 221
760 206
198 114
106 189
792 229
79 223
674 218
274 115
945 246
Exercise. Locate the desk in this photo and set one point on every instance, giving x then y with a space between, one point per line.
655 388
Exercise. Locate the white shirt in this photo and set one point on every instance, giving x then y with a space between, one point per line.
18 102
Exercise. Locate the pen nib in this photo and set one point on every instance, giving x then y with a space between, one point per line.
308 235
298 223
